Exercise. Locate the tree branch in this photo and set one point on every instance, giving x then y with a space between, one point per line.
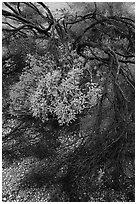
11 8
26 21
47 9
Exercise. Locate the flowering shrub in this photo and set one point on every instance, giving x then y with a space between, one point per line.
47 89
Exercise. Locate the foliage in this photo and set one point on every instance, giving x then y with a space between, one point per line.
43 90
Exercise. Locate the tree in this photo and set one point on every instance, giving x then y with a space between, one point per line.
82 73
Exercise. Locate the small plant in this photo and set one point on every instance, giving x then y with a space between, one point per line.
46 89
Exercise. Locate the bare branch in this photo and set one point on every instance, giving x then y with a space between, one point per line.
37 10
6 23
11 8
29 23
17 29
127 61
47 9
18 7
